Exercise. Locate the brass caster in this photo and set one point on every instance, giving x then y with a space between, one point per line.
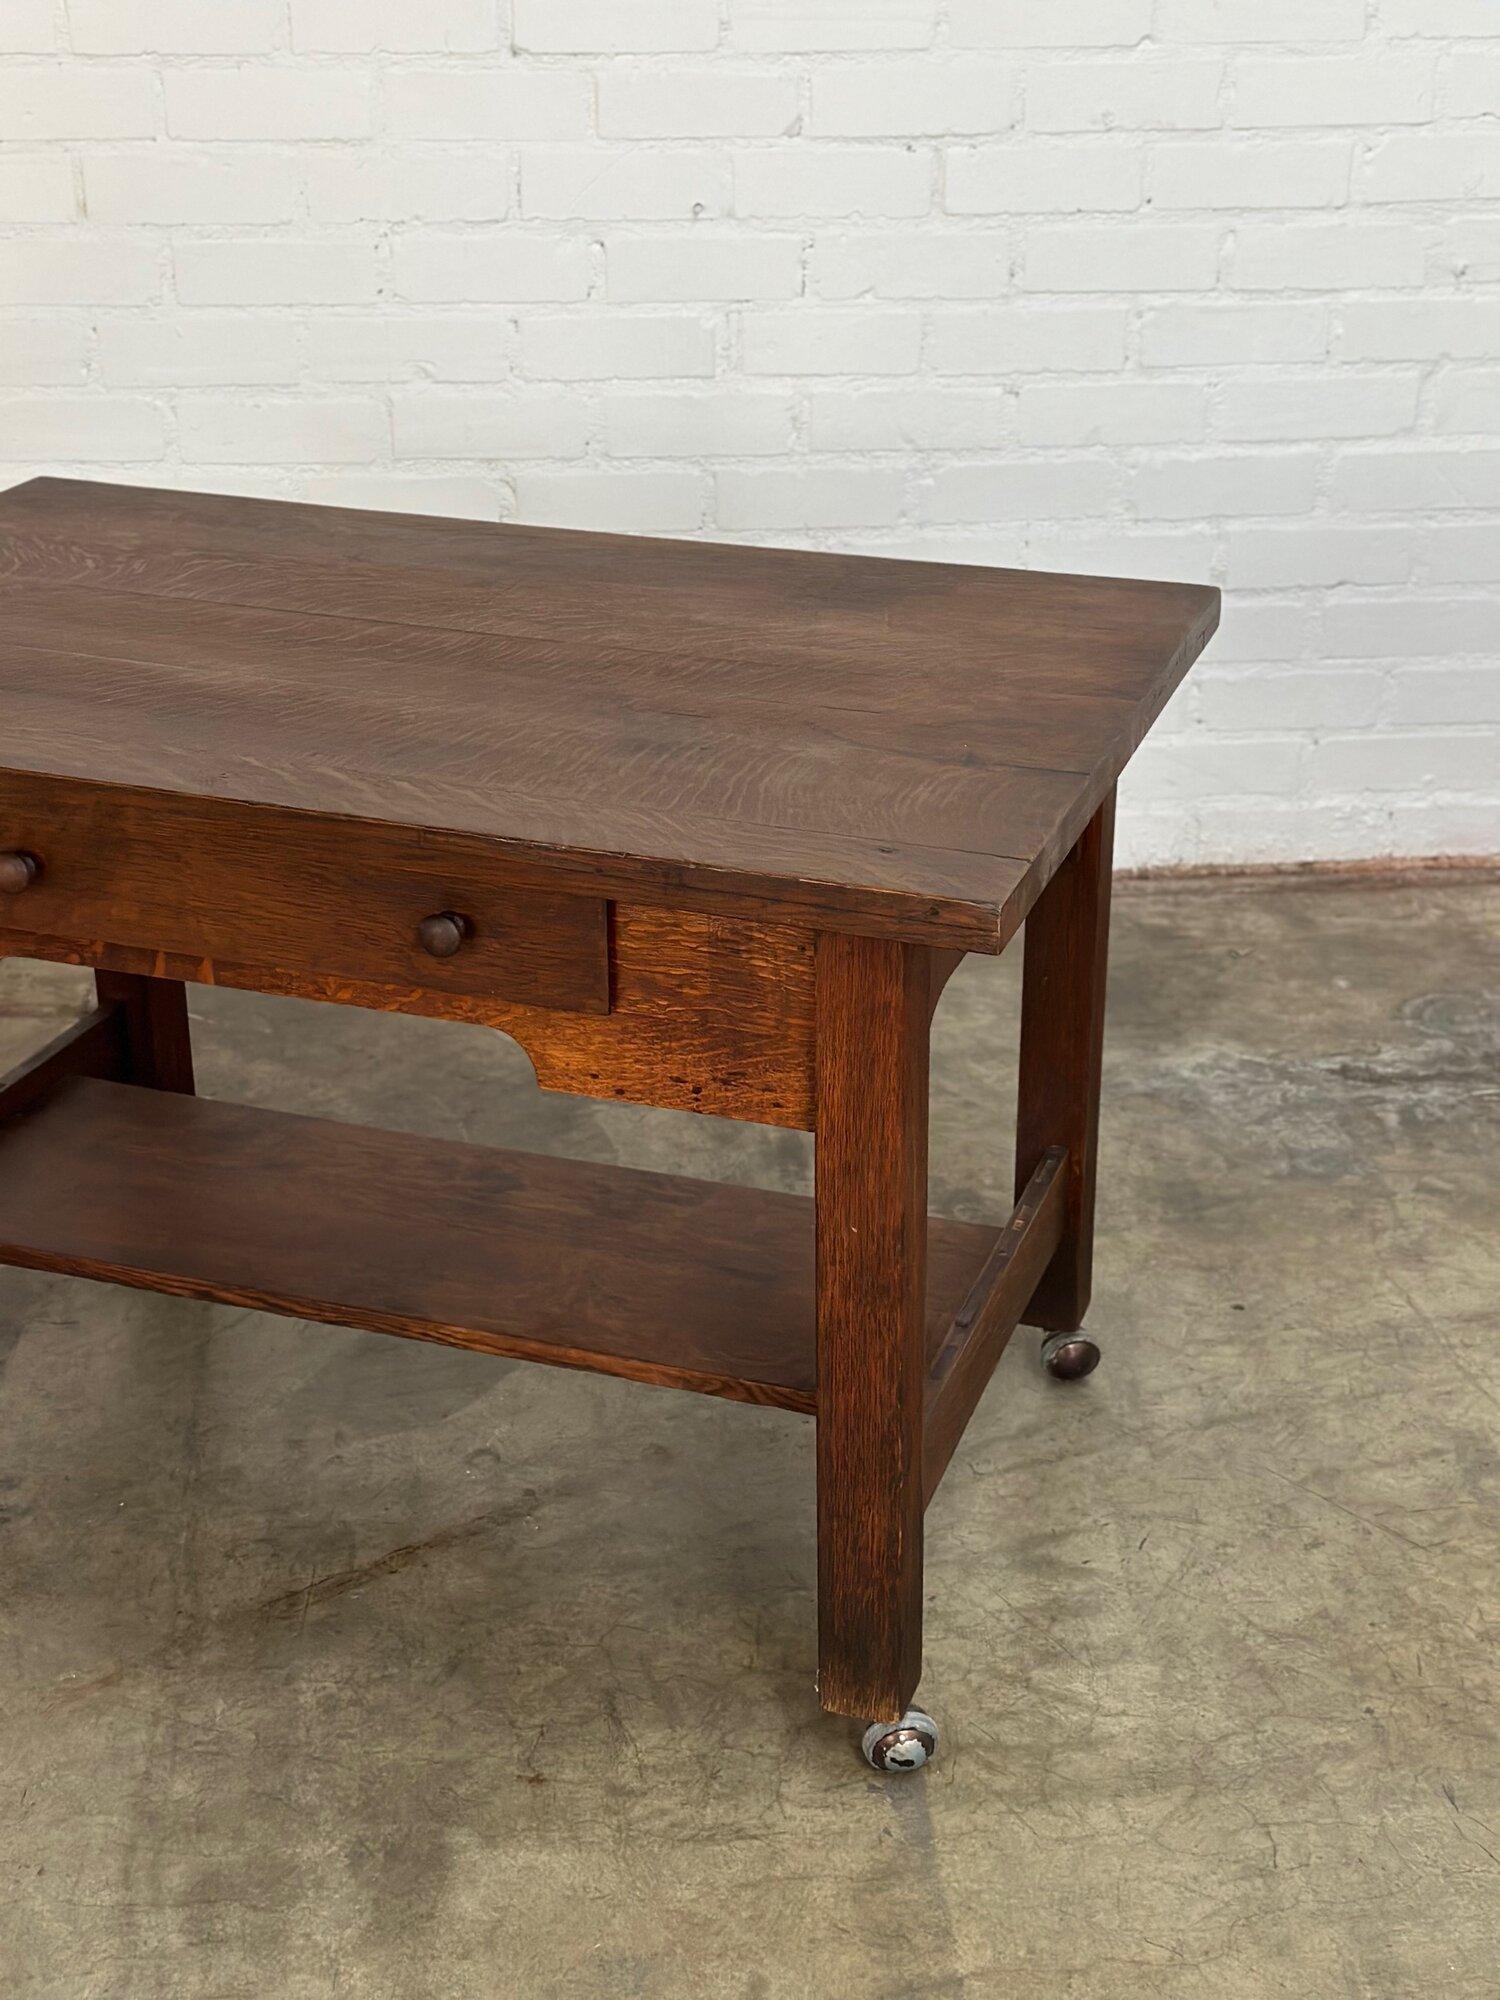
1068 1357
901 1746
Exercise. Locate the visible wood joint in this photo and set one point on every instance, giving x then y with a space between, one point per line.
95 1046
705 1015
158 1039
984 1323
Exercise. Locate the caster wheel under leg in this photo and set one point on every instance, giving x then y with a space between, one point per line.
901 1746
1068 1357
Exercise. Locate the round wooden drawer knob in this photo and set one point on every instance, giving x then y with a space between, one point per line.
444 934
18 872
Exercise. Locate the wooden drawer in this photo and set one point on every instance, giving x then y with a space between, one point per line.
292 892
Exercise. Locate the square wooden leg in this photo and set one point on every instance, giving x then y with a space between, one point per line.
158 1042
873 1007
1062 1049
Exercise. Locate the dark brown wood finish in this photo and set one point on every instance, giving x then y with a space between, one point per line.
984 1323
708 1015
93 1046
1062 1057
686 1283
890 748
158 1039
208 880
874 1006
697 826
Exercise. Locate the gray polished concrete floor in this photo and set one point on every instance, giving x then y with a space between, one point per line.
339 1665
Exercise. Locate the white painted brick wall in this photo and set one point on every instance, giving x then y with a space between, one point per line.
1195 287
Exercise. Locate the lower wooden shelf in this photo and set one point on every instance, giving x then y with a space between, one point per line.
692 1284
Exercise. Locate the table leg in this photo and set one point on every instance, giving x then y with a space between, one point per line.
1062 1047
873 1006
158 1041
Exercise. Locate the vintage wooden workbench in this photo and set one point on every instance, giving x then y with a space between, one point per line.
698 826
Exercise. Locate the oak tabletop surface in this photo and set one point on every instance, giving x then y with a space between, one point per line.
918 742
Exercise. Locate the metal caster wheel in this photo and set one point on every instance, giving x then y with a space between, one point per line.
1068 1357
901 1746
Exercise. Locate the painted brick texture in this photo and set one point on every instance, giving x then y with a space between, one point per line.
1196 287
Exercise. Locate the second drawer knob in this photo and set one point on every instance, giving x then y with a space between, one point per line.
17 872
444 934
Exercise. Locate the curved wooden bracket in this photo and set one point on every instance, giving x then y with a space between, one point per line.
708 1015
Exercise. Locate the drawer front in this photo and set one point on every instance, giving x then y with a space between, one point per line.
293 893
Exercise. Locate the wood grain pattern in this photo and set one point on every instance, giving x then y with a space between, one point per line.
881 747
984 1323
696 826
205 879
689 1284
657 600
154 1019
709 1014
874 1006
1062 1058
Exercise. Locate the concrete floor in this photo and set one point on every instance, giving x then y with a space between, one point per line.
340 1665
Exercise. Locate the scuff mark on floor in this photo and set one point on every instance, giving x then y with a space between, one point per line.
295 1604
72 1692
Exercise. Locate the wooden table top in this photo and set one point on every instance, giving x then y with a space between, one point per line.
913 745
